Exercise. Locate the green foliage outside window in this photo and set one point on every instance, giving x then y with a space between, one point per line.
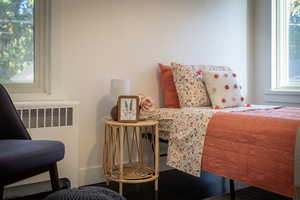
295 8
16 37
294 29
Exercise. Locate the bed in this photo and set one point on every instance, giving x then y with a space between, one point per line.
247 143
254 145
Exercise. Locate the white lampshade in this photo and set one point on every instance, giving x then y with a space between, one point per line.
120 87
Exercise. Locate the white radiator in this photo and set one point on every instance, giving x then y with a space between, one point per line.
54 121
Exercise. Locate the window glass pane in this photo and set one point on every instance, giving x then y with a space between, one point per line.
16 41
294 40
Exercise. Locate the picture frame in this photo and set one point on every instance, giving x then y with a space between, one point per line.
128 109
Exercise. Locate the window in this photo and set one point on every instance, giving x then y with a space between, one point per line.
286 45
24 46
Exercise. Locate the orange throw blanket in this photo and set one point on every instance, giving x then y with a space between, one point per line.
254 147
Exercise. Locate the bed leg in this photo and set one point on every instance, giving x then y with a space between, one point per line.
232 189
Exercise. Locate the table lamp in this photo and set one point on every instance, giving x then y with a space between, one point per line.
119 87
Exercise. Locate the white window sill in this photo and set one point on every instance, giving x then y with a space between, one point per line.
283 92
283 96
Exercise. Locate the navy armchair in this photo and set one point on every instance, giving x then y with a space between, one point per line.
21 157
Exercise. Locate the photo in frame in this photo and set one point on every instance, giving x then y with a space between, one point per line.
128 109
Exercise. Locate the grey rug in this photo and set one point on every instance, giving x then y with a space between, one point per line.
251 193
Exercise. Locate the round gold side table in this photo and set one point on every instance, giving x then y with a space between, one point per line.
124 152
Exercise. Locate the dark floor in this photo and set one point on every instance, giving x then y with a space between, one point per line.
175 185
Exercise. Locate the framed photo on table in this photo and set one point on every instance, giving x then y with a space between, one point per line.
128 109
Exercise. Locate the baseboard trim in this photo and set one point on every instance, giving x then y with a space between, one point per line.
91 175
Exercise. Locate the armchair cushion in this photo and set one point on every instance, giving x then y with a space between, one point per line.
21 156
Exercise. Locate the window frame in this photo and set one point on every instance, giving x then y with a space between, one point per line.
42 50
280 50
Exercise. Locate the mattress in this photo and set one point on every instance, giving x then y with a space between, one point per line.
165 116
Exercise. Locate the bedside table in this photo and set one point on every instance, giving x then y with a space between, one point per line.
124 152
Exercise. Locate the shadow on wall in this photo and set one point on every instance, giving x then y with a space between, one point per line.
104 107
94 174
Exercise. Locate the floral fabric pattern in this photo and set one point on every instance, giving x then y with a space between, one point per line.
187 133
190 87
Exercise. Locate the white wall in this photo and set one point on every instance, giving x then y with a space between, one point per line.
262 60
97 40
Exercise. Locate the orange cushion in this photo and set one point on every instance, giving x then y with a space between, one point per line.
168 87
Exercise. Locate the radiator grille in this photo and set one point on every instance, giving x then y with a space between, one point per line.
46 117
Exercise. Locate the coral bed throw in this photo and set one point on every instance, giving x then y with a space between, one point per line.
254 146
